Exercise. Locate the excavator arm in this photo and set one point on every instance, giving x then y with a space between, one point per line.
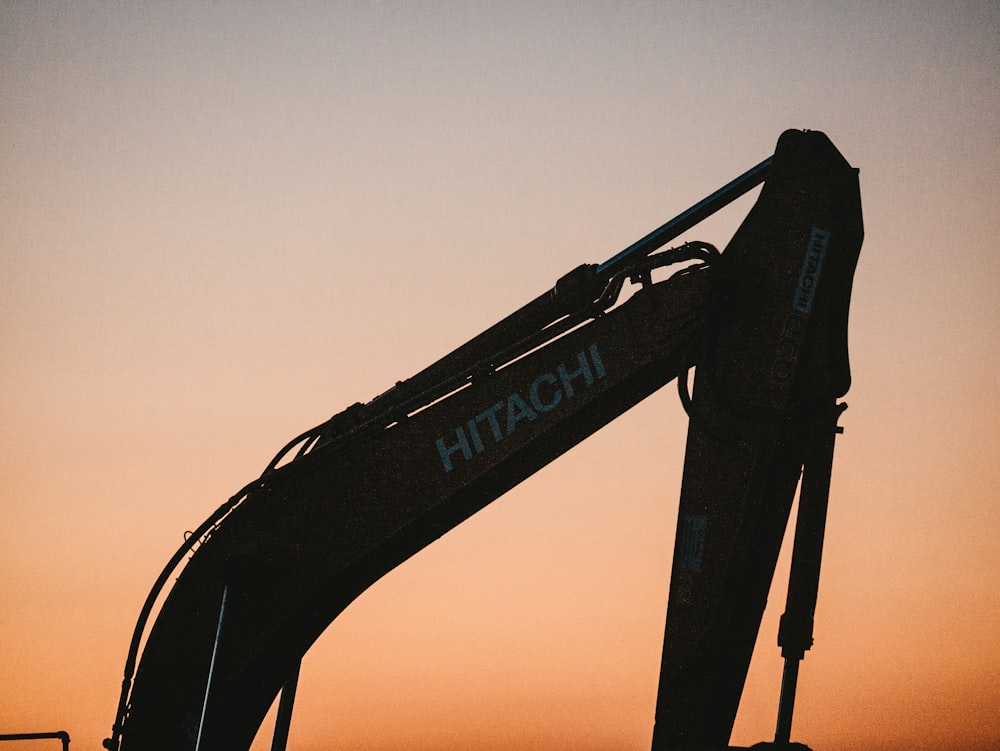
771 367
346 502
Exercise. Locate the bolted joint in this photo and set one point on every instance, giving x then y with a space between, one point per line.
795 635
577 288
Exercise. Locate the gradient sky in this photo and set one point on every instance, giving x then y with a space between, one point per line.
223 223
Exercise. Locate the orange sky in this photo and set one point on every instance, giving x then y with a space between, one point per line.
223 224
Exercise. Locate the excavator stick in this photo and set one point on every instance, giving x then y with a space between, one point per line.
795 634
772 363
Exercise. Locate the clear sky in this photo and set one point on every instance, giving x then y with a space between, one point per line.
224 222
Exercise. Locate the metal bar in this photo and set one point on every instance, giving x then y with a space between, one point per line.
283 720
62 735
211 666
795 632
786 702
545 309
685 221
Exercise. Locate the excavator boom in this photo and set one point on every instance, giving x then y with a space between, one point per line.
347 501
314 534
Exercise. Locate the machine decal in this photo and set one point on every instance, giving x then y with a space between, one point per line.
544 394
691 542
794 327
812 264
788 348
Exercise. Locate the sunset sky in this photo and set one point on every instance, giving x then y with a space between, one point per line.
224 222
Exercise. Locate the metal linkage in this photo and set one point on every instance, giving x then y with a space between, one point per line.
795 632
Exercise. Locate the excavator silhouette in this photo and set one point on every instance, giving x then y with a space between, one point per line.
764 325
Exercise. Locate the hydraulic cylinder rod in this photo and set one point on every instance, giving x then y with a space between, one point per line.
795 633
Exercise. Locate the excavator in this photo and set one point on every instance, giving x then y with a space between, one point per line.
763 327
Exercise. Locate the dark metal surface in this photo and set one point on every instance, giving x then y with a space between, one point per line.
774 358
766 326
320 531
